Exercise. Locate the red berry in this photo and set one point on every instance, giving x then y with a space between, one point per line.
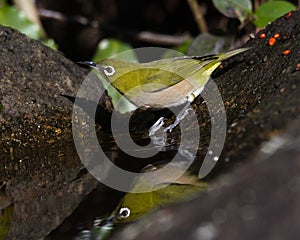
286 52
262 35
288 15
272 41
276 35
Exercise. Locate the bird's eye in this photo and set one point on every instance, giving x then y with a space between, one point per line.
124 212
109 70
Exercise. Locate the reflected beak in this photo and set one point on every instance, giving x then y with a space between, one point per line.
110 219
107 221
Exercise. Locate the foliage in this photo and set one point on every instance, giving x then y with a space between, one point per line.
109 47
242 10
269 11
10 16
239 9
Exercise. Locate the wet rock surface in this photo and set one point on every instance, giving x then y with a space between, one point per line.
259 198
39 165
40 172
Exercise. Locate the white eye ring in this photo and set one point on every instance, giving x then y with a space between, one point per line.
124 212
109 70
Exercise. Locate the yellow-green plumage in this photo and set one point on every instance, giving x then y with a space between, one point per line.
167 82
135 205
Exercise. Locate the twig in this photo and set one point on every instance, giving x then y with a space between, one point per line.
28 7
144 36
162 38
67 18
197 12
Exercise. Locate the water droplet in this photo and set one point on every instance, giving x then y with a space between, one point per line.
206 231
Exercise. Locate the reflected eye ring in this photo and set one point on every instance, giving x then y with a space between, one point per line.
109 70
124 212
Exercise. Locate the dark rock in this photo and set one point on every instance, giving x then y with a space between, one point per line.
260 89
258 200
39 164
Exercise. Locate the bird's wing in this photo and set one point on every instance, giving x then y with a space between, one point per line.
168 72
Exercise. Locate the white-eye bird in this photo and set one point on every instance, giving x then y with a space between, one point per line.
134 205
162 83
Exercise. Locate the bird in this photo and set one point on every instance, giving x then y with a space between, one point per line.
161 83
135 204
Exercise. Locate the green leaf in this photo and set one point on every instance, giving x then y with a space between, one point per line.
11 17
110 47
270 11
240 9
183 48
206 43
49 42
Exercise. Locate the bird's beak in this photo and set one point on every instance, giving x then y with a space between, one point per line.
90 64
110 219
95 66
